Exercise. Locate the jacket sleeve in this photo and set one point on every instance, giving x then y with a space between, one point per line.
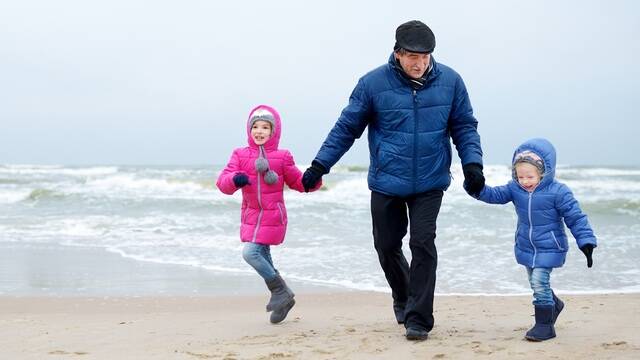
293 175
349 127
463 126
575 219
225 180
495 195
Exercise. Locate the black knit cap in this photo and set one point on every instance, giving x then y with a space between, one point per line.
416 37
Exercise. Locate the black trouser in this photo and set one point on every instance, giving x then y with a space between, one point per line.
414 285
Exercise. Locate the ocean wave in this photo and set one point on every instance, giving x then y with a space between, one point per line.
12 196
613 187
589 172
629 206
340 169
57 170
42 194
13 181
132 185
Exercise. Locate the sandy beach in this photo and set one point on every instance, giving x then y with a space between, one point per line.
343 325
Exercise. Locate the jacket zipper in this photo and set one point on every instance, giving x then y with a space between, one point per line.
415 140
255 231
556 240
377 159
535 251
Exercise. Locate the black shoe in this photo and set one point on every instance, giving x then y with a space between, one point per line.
416 334
398 310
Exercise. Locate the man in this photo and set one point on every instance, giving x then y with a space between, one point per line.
413 107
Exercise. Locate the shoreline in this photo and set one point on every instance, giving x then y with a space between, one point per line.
334 325
34 270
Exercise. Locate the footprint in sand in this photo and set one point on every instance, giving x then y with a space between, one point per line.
229 356
62 352
616 345
350 330
278 355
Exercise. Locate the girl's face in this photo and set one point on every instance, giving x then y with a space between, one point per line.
261 132
528 176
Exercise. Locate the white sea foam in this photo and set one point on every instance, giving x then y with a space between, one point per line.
12 196
597 172
57 170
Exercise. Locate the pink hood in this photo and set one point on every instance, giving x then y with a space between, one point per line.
274 141
263 215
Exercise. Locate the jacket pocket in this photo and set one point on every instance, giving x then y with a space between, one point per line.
281 211
556 240
243 217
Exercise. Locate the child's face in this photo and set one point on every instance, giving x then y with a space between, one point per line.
261 132
528 176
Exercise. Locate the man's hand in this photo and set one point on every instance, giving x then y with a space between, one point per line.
473 179
588 252
312 175
240 179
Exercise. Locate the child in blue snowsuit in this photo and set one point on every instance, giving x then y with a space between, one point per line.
542 203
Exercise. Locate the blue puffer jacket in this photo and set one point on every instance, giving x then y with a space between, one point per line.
541 240
409 130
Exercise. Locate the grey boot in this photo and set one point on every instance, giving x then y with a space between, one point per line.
281 295
280 314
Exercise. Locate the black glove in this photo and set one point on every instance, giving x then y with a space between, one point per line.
588 251
312 175
473 179
240 180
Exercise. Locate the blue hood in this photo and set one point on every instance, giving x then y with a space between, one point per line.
543 148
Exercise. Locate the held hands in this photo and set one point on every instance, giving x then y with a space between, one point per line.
312 175
473 179
240 179
588 252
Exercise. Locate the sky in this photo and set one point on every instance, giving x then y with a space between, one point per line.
171 82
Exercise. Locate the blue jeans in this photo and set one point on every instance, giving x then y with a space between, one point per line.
539 281
259 257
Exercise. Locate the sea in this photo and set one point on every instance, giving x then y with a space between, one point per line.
175 216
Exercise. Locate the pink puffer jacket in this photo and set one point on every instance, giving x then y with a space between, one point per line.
263 216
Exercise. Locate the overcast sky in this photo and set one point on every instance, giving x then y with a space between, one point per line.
172 82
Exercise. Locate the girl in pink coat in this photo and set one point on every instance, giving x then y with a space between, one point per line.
261 170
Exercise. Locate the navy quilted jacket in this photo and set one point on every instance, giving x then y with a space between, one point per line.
409 130
541 240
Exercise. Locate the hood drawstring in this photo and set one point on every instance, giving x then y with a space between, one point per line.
262 165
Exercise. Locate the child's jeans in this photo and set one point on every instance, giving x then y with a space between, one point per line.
259 256
539 281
